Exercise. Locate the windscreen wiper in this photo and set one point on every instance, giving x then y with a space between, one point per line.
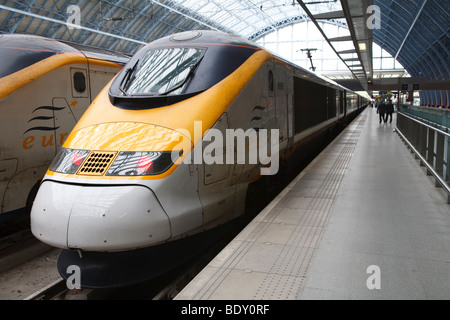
190 74
128 73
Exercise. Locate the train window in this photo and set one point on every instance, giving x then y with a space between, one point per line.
270 81
309 99
161 71
79 82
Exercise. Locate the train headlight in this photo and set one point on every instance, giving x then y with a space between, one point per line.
127 163
68 160
130 163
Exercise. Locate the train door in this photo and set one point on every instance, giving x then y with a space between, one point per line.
281 102
341 102
345 104
65 120
290 110
68 109
80 98
269 98
284 113
216 193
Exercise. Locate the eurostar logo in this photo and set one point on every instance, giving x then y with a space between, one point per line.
51 125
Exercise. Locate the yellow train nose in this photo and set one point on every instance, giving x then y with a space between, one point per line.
124 136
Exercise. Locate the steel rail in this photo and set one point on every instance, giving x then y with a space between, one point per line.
438 178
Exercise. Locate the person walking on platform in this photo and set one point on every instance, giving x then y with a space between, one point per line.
389 110
382 111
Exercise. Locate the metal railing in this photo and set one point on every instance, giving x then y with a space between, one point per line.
436 117
431 146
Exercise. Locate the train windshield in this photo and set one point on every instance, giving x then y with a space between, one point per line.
161 72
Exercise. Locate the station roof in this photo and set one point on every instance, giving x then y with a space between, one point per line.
414 32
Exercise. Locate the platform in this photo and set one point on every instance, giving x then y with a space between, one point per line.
362 221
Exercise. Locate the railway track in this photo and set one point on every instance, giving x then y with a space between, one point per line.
160 289
18 248
58 290
165 287
54 291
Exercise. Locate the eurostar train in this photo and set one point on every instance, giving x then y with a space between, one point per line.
122 192
45 87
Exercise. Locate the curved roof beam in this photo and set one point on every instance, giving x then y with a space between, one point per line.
422 44
68 24
410 29
186 16
279 25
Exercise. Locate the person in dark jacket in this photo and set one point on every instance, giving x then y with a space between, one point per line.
389 110
382 111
